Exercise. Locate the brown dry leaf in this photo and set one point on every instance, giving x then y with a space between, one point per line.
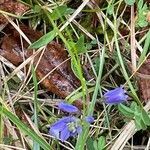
62 81
11 6
143 78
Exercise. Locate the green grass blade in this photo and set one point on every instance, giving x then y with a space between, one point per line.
145 49
1 125
36 145
123 66
25 129
83 137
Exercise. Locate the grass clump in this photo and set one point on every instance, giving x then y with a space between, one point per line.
110 38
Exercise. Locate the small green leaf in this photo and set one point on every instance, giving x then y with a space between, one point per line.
89 144
58 12
80 46
145 8
145 118
137 113
129 2
140 4
95 145
142 22
142 11
139 123
128 112
101 143
36 9
74 68
89 45
44 40
71 44
94 42
69 11
110 9
138 118
133 105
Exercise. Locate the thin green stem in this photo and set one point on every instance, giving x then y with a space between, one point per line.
36 145
74 57
122 64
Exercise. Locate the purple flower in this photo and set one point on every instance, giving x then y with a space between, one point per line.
116 96
89 119
65 127
67 107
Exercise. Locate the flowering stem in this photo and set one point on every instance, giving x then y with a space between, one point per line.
122 65
83 137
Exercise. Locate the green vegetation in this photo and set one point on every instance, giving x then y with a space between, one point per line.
112 38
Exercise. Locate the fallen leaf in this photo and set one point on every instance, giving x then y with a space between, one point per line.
143 78
61 81
13 7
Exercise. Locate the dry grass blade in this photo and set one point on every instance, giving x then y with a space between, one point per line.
12 132
8 147
148 145
20 74
133 49
84 30
24 63
18 29
97 40
102 19
74 14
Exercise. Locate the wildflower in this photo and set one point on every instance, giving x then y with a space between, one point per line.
116 96
89 119
65 127
67 107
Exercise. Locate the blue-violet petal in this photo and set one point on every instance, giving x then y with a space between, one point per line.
65 128
65 134
67 107
89 119
115 96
